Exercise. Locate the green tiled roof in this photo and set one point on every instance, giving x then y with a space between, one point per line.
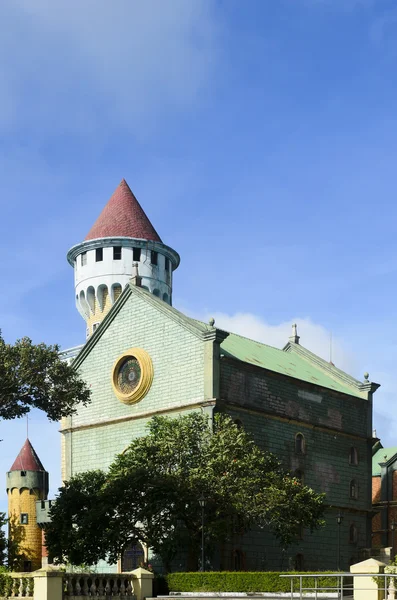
379 456
286 363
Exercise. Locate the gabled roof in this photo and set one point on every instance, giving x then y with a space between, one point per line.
27 459
123 216
298 362
381 456
290 363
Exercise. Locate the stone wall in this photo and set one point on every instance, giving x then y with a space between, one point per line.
274 409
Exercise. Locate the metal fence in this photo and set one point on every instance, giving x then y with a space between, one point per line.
345 585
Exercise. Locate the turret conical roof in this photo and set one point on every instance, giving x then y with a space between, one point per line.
123 216
27 459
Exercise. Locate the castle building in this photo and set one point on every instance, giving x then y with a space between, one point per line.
384 500
143 357
27 484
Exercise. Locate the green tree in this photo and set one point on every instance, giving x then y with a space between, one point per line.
3 538
34 376
151 494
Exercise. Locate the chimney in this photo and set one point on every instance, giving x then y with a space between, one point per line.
136 279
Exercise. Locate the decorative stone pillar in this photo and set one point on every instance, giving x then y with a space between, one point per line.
143 583
365 588
48 584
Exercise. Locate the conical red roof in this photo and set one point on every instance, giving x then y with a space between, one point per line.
123 216
27 459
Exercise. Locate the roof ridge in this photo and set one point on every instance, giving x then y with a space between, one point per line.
321 363
244 337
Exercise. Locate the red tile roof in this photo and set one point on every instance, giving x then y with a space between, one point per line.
123 216
27 459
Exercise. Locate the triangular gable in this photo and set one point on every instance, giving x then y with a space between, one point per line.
197 328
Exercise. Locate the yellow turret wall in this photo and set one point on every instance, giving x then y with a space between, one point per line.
27 483
96 315
27 537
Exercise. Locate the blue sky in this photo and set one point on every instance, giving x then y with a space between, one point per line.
261 139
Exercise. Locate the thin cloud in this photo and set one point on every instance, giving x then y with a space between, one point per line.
126 63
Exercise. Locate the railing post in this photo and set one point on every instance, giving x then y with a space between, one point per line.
143 583
365 588
48 584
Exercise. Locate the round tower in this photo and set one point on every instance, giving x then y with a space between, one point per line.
104 262
27 483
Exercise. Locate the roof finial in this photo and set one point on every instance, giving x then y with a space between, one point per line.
294 339
212 321
366 377
136 279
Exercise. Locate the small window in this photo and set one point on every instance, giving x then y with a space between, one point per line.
238 560
353 489
353 456
238 423
24 518
299 562
95 327
156 293
136 254
27 566
99 254
116 252
154 258
299 443
298 474
167 264
83 259
353 534
43 504
23 473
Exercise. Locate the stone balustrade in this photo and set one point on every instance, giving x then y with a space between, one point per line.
52 583
98 585
22 586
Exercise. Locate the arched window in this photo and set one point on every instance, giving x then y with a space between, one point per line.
238 560
353 534
132 558
116 291
298 474
238 423
300 444
102 294
91 298
156 293
165 297
354 489
299 561
353 456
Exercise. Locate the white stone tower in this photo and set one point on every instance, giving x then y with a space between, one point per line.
121 242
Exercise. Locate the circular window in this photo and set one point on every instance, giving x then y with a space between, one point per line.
132 375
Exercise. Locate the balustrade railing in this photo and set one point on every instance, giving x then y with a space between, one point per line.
21 586
98 585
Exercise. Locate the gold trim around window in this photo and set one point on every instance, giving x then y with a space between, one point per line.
145 380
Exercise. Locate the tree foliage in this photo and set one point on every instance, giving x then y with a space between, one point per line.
151 494
34 376
3 538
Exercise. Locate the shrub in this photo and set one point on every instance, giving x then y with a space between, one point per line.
241 581
6 582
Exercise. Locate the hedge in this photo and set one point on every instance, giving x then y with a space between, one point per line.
237 581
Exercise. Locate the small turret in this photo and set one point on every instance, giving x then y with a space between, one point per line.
27 482
104 262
